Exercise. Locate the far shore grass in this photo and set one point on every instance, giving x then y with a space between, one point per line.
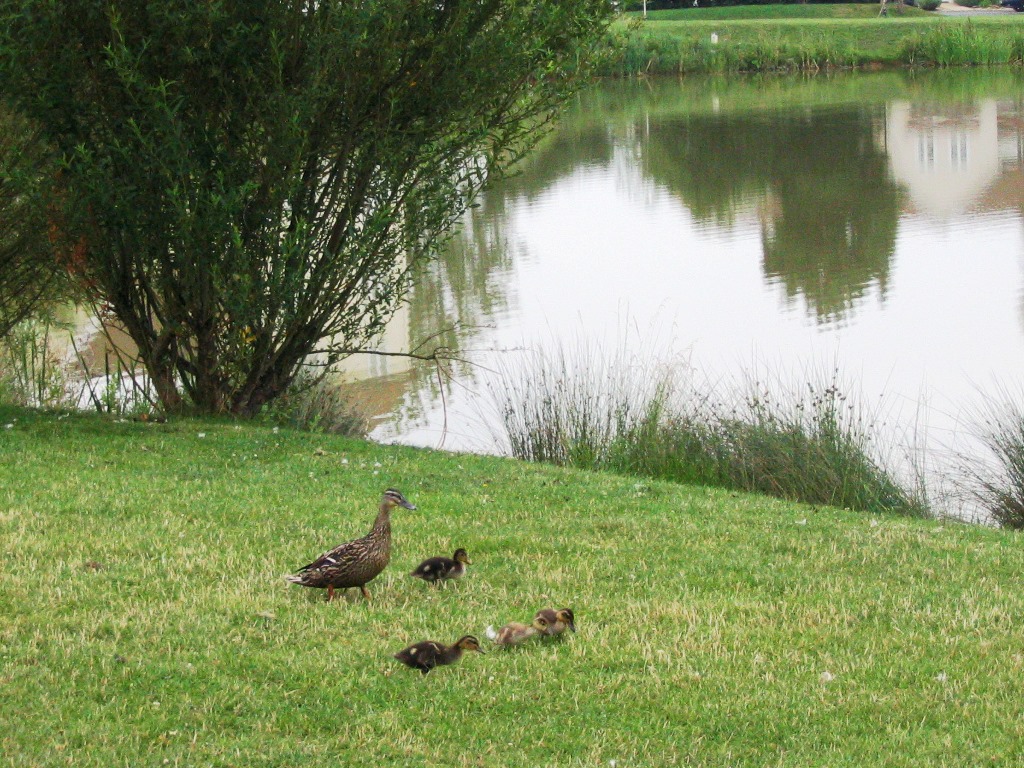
816 37
146 620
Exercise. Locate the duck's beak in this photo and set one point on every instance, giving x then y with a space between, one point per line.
572 626
407 505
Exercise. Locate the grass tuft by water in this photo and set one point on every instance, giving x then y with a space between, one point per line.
998 485
811 443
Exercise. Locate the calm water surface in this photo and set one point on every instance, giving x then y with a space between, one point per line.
873 222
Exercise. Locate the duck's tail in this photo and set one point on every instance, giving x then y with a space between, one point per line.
491 633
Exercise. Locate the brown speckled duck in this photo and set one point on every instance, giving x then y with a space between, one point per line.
557 621
437 569
355 563
515 633
428 654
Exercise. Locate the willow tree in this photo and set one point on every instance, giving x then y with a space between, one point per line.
31 276
253 180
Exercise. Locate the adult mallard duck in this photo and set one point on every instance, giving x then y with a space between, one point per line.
515 633
428 654
438 569
557 621
357 562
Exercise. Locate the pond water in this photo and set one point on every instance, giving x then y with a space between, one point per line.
872 222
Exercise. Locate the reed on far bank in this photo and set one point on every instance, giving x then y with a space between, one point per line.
776 43
966 44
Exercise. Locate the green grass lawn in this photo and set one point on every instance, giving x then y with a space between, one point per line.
146 621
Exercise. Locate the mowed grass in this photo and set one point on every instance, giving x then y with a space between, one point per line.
146 621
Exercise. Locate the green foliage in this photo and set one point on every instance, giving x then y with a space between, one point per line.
146 620
31 279
252 181
929 5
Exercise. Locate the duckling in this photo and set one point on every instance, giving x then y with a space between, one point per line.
356 562
557 621
437 569
515 633
428 654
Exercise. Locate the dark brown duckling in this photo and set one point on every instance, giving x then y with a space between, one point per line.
515 633
357 562
428 654
557 621
437 569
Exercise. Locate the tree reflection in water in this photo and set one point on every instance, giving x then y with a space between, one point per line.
829 207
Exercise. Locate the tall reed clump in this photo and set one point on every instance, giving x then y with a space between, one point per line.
573 406
31 372
816 445
641 54
812 445
955 45
41 367
998 485
809 53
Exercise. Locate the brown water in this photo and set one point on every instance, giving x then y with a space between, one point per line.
873 222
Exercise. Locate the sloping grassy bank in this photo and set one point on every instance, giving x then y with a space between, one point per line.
738 44
146 621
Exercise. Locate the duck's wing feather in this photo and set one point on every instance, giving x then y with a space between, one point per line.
333 557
